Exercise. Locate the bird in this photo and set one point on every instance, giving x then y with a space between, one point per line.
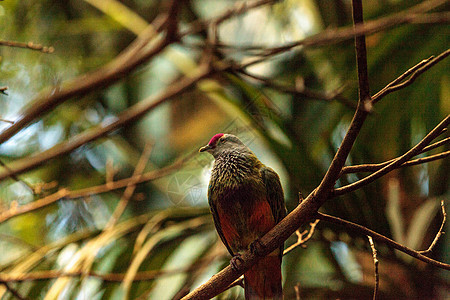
246 200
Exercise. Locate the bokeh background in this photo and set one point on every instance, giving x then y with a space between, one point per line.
166 229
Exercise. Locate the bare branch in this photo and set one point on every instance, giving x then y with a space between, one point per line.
131 114
6 121
238 9
375 263
79 194
110 277
131 186
136 54
302 90
439 233
12 291
396 163
29 45
15 211
412 15
413 73
376 167
382 239
301 240
15 178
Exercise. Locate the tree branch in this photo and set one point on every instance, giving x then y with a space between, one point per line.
376 167
104 188
29 45
413 73
332 36
301 90
130 115
382 239
439 233
396 163
12 291
131 186
109 277
136 54
375 263
3 90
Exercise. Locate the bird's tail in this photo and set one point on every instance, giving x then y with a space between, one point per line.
263 280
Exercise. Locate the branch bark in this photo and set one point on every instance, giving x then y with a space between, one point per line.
132 57
396 163
382 239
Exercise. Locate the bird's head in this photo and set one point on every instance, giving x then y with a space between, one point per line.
223 143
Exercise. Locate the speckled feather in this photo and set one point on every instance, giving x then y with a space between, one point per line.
246 200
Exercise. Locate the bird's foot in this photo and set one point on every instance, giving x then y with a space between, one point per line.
257 248
236 261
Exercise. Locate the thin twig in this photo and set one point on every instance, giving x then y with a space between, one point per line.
29 45
437 144
396 163
412 73
109 277
375 263
12 291
302 90
131 186
376 167
81 193
439 233
19 210
127 61
382 239
131 114
15 178
237 9
300 240
412 15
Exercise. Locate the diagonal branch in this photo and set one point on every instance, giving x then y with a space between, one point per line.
12 291
81 193
136 54
439 233
376 167
396 163
131 114
412 73
29 45
383 239
412 15
131 186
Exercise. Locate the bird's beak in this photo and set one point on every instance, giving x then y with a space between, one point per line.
204 148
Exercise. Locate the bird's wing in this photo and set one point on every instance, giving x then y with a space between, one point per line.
215 215
275 195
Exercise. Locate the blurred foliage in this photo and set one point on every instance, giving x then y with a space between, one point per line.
166 225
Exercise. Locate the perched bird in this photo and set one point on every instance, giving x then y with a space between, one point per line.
246 201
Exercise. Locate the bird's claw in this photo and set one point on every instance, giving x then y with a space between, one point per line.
236 261
256 247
